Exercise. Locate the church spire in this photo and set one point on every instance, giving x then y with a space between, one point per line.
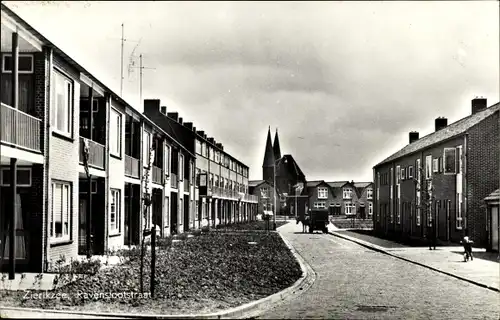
268 155
276 146
268 164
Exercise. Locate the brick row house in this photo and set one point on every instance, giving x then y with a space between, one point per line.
342 198
442 179
79 161
220 180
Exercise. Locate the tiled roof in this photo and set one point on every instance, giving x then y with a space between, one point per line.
495 195
459 127
362 184
337 184
254 183
286 158
312 184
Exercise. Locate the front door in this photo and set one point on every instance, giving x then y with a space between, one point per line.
362 212
494 228
82 228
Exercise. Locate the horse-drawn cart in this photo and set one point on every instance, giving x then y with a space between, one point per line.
318 220
315 219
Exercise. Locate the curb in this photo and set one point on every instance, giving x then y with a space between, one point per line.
249 310
379 249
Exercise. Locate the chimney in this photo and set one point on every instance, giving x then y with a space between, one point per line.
173 115
194 129
440 123
151 106
201 133
413 136
163 109
180 120
211 140
205 136
478 104
188 125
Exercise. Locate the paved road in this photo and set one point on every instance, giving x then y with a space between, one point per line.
357 283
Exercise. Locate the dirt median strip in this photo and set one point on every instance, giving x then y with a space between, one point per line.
381 250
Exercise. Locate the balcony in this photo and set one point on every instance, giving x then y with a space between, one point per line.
174 183
20 129
96 153
233 195
156 175
132 167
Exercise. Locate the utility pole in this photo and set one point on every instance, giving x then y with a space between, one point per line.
141 68
122 40
121 63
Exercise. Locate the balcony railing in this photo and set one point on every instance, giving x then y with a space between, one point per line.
234 195
174 183
132 167
96 153
19 128
156 175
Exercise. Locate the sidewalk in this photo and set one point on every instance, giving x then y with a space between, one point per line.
447 260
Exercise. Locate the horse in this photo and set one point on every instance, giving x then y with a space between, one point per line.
305 223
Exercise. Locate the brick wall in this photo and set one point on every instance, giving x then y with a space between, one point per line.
483 171
63 159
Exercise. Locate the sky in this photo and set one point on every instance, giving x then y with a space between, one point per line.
343 82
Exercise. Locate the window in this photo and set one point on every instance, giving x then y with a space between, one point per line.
410 172
435 165
198 146
418 170
181 167
428 167
319 205
349 208
115 212
146 146
24 65
115 133
369 194
398 174
60 224
459 159
166 158
370 208
264 192
192 172
322 193
403 173
398 208
167 210
211 181
449 157
459 217
347 193
62 103
23 177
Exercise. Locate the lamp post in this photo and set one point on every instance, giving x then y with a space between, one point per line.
275 194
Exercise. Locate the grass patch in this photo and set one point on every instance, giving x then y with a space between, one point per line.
251 226
206 273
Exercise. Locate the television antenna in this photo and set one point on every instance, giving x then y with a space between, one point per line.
141 68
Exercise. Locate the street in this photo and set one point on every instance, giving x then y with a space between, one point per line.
353 282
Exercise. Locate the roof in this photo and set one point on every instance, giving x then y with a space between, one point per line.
81 69
495 195
455 129
255 183
362 184
337 184
312 184
288 159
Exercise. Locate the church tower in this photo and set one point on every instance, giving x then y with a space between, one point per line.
276 147
268 164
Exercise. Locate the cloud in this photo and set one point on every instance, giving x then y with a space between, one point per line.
351 78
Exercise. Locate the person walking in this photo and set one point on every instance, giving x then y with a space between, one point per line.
467 243
431 235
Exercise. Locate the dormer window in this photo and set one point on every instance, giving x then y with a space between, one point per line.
347 193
